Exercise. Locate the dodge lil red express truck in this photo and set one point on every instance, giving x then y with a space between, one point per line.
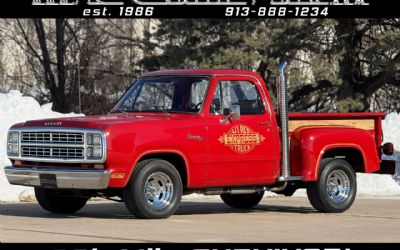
213 132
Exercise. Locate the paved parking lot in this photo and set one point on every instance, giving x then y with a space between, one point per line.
207 220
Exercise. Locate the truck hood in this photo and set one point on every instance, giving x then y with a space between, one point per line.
100 122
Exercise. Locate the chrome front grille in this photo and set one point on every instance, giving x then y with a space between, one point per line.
59 145
53 152
52 137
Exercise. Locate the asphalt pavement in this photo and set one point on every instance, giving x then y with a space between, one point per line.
276 219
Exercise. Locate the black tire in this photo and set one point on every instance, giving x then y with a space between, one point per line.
144 204
59 201
242 200
330 199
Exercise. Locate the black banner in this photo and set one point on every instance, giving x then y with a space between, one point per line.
200 8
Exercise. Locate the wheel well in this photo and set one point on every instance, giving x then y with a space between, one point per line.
351 155
176 160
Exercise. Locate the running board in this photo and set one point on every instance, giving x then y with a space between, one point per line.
290 178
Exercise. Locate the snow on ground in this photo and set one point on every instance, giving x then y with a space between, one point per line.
391 126
15 108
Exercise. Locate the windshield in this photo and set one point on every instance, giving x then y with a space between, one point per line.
166 94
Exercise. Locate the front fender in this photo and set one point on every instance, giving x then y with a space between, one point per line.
128 143
308 145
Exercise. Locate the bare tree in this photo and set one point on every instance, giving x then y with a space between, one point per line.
54 57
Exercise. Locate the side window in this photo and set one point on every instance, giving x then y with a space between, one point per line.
242 93
198 92
216 104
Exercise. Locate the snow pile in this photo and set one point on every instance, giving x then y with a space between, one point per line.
391 126
377 185
16 108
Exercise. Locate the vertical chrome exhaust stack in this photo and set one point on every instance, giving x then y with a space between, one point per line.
284 116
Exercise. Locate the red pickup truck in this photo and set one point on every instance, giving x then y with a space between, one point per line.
178 132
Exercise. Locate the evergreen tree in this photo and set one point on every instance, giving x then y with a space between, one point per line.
335 65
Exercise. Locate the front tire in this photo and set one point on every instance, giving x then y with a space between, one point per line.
59 201
242 200
154 191
336 187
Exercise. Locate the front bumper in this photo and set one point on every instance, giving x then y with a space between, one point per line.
71 179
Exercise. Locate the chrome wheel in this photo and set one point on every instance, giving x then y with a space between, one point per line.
159 190
335 189
154 191
338 186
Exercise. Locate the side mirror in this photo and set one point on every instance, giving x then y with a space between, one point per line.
232 113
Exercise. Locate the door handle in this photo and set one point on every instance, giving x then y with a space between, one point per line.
268 124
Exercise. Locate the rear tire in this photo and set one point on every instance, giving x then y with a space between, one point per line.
336 187
154 191
242 200
59 201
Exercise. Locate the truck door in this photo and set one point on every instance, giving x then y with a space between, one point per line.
244 149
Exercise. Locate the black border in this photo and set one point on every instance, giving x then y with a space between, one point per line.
25 9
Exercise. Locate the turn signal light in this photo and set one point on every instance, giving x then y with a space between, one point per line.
117 175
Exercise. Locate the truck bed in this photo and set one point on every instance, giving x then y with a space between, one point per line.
367 121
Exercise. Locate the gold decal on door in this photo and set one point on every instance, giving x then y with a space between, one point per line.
241 139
